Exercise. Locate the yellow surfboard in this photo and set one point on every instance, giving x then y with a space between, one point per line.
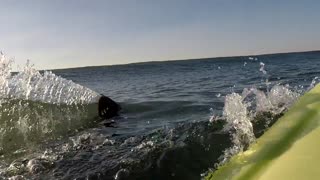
289 150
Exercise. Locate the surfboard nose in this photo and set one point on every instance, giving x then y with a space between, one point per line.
107 107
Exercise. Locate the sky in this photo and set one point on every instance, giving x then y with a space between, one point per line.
62 34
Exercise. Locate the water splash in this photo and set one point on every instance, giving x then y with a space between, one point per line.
240 110
104 152
253 58
238 123
262 68
314 82
5 74
30 84
38 106
275 100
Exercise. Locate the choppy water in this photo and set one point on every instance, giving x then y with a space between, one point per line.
179 118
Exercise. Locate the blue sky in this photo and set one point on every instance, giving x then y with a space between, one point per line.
61 34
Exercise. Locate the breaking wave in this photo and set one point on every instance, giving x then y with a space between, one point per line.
38 106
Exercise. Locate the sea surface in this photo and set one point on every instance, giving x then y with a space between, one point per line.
179 119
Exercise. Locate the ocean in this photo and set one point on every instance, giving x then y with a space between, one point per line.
179 119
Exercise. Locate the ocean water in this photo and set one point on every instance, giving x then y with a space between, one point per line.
179 119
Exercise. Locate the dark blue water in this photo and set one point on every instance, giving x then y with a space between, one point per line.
163 131
158 94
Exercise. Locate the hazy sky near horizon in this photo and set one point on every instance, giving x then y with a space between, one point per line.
61 34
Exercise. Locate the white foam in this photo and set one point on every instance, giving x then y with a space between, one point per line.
240 109
64 106
30 84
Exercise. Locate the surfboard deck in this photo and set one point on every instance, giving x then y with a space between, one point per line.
290 149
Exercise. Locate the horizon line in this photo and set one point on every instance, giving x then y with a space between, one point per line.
175 60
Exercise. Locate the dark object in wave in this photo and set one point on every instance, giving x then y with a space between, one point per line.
108 108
